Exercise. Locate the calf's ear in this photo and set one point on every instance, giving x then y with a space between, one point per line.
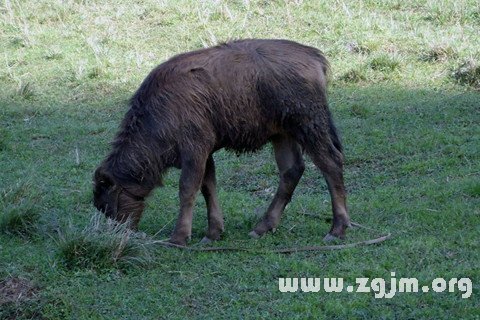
103 178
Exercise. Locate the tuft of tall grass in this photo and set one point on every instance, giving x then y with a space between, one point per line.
355 47
19 214
438 54
353 76
384 63
53 54
468 73
25 90
103 244
359 111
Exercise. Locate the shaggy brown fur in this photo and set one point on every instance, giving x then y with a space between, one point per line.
239 96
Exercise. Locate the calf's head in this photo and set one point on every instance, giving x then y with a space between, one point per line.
116 201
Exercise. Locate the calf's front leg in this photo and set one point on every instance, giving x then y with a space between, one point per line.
193 169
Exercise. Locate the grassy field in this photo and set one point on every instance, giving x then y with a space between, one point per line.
404 94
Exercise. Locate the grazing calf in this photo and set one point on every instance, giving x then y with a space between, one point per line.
239 96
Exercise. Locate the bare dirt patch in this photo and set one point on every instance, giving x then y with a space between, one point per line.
19 299
14 289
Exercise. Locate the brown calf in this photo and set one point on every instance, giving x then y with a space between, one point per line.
239 96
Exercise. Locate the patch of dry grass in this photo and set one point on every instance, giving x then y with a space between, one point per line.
103 244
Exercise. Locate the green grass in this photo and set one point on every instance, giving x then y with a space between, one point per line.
404 96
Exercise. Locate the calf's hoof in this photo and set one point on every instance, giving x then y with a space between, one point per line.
330 237
206 240
179 241
262 227
337 232
214 234
254 235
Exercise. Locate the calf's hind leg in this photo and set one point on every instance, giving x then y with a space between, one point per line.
214 213
288 156
329 160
